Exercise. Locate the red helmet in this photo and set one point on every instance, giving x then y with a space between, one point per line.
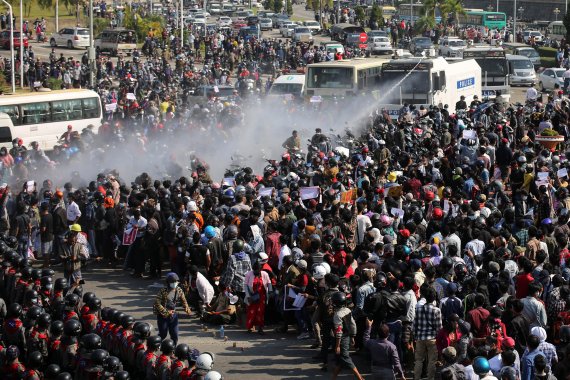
69 127
365 150
286 157
20 142
321 155
437 213
429 196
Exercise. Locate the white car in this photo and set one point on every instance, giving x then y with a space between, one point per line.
302 34
527 34
550 77
71 38
451 47
224 21
287 29
378 45
313 26
200 17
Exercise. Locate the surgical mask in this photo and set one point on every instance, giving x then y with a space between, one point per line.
173 285
49 286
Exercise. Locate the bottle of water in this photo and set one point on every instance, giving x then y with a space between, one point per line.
222 332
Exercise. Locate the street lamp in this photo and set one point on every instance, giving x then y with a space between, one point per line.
12 45
556 13
91 55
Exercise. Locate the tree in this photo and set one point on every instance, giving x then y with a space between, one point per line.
45 4
376 17
268 5
278 6
452 8
289 8
359 15
566 22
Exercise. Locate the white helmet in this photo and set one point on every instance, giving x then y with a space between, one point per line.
213 375
326 266
319 272
205 361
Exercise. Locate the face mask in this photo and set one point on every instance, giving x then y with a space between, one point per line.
49 286
173 285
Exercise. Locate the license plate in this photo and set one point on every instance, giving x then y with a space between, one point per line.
488 92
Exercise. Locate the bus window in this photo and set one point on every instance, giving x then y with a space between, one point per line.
330 77
5 135
67 110
91 108
13 112
36 113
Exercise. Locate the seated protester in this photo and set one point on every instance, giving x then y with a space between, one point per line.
222 309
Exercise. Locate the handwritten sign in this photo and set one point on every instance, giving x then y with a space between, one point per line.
562 173
397 212
542 176
469 134
131 96
265 192
346 196
110 107
309 192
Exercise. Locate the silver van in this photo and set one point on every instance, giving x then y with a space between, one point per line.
521 70
525 50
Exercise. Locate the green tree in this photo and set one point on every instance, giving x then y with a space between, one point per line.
46 4
278 6
452 8
289 8
425 22
376 16
359 15
268 4
566 22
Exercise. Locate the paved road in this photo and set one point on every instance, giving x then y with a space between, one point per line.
272 356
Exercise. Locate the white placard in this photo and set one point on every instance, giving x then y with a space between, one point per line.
542 176
131 96
309 192
397 212
265 191
316 99
562 173
110 107
541 183
216 89
469 134
229 181
30 186
37 84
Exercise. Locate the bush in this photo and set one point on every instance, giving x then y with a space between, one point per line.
544 51
143 25
547 61
99 24
54 83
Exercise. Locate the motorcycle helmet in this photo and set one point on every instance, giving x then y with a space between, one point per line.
319 272
88 296
154 342
326 266
99 357
122 375
56 328
142 330
338 299
94 304
167 346
210 232
205 361
91 341
51 372
338 244
127 321
481 366
71 300
14 311
64 376
182 351
213 375
35 360
112 364
44 321
72 327
238 245
60 284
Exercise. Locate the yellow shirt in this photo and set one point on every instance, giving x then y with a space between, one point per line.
164 106
528 178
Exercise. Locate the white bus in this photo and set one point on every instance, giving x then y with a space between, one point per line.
556 30
494 70
288 85
44 116
428 81
344 78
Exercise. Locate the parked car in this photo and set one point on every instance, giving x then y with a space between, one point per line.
265 24
314 26
377 33
5 39
302 34
551 77
278 19
224 21
238 24
527 34
419 44
252 20
70 37
451 47
287 29
378 45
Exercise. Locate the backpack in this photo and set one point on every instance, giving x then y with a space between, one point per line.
328 309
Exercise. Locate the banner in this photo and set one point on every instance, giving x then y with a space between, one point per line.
265 191
346 197
309 192
129 236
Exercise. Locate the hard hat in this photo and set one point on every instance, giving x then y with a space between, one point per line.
75 227
205 361
319 272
